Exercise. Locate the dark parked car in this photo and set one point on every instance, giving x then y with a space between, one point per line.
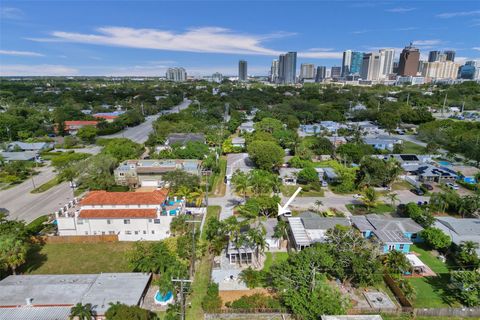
427 186
418 192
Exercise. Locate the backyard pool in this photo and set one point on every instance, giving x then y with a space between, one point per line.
444 163
163 299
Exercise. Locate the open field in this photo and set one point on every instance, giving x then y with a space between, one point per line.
80 258
412 148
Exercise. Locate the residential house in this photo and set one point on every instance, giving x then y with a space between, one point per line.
48 297
108 116
289 175
392 233
73 126
238 142
407 160
366 127
269 226
382 142
132 216
330 126
149 173
19 156
29 146
246 127
460 230
337 141
309 228
330 175
429 173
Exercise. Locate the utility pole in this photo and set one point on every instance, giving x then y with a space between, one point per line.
182 295
206 173
408 99
192 263
444 103
463 106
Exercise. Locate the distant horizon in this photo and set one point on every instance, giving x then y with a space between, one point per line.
143 38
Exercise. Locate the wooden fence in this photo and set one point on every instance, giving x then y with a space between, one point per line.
82 239
397 291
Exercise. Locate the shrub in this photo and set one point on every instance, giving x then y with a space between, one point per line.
252 278
255 301
435 238
211 301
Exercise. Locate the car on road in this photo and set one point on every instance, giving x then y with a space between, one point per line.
324 184
417 191
427 186
453 186
357 196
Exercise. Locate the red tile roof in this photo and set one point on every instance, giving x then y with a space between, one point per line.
124 198
81 123
117 213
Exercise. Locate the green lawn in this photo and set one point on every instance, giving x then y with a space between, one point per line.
47 185
202 276
71 258
432 292
272 257
413 148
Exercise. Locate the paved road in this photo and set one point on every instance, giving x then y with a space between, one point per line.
140 133
24 205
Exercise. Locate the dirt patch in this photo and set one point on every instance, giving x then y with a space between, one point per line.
232 295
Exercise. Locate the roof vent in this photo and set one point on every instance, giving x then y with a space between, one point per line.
29 301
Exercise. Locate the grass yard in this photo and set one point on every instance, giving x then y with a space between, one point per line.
47 185
412 148
202 276
272 257
401 185
69 258
432 292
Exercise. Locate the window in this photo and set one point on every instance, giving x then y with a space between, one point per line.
136 232
128 232
391 247
103 233
111 232
79 221
139 205
121 174
126 221
153 231
94 233
156 221
109 221
401 246
144 231
86 233
150 220
414 236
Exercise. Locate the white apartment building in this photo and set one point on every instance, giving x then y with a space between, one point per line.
386 62
441 70
307 71
176 74
133 216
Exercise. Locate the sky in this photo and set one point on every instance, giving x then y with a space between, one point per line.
145 37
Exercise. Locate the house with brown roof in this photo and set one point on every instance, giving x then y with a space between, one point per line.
132 216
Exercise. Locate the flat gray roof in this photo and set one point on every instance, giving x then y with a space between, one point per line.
298 231
35 313
55 290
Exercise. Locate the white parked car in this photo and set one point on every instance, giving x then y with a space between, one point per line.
357 196
453 186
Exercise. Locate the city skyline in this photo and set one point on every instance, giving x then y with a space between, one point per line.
82 38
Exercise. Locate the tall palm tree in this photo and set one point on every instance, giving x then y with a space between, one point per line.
318 204
81 311
256 237
393 197
183 192
370 198
13 253
241 183
281 230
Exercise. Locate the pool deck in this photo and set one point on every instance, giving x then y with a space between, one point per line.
149 301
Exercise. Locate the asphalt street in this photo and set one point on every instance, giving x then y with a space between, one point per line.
23 205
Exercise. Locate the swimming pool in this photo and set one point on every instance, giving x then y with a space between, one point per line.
444 163
163 299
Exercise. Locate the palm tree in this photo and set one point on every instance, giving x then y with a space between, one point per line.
81 311
241 183
395 262
318 204
281 230
393 197
13 252
183 192
256 237
469 247
370 198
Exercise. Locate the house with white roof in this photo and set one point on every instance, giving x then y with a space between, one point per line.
460 230
132 216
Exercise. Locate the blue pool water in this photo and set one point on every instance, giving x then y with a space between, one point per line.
160 298
444 163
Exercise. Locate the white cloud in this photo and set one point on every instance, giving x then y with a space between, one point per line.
400 10
421 43
205 39
476 48
406 29
37 70
21 53
447 15
317 54
11 13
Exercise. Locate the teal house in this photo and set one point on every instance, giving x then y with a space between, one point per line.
391 233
